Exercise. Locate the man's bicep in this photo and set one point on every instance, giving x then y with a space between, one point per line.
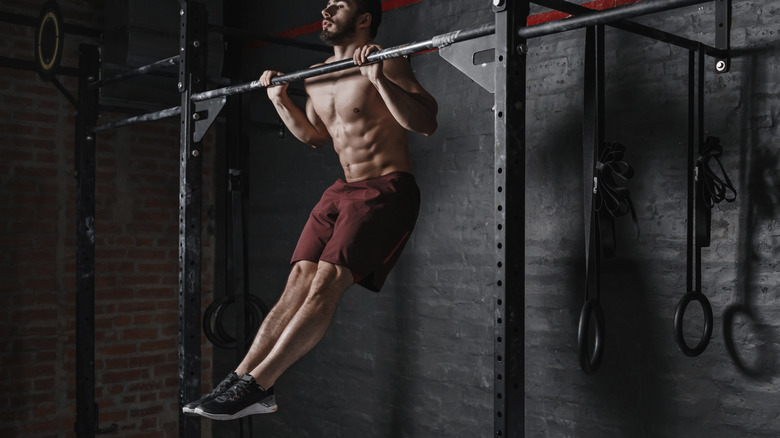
315 119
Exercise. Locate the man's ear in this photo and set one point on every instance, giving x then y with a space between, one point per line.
365 20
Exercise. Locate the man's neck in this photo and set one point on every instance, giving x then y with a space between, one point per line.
347 48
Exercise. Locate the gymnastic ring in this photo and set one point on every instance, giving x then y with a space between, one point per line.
679 316
255 312
49 40
590 363
728 339
252 320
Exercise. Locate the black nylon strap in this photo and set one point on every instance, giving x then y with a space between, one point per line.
593 134
613 200
711 188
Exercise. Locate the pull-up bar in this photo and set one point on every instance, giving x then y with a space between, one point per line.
590 19
438 41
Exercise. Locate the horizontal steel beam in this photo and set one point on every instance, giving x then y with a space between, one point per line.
159 65
163 114
605 16
630 26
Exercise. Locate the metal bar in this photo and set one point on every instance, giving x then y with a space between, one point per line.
392 52
159 65
86 410
630 26
162 114
606 16
248 34
509 244
192 77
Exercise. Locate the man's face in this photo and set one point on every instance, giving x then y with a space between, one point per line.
339 20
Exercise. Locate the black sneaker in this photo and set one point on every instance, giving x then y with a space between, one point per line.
244 398
223 386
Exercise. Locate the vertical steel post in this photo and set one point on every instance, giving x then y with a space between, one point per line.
192 79
723 33
509 116
86 408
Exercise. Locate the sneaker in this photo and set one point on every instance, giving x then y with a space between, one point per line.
244 398
224 385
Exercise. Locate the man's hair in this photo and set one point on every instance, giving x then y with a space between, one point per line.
373 7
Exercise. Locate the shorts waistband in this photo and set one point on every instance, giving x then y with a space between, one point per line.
385 177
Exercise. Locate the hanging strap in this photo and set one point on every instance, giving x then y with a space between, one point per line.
612 199
711 188
697 220
593 134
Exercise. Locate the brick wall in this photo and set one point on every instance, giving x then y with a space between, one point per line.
136 303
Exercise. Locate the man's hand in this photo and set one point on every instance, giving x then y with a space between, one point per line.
371 71
274 91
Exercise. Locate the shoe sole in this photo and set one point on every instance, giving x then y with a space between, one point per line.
254 409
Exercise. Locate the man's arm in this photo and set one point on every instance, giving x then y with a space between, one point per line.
306 126
413 107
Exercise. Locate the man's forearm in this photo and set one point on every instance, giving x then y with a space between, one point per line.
412 111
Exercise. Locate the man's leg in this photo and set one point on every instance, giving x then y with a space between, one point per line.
295 292
298 285
309 324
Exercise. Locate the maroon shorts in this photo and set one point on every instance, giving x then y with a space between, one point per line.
362 225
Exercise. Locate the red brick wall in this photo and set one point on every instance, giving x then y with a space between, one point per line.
136 305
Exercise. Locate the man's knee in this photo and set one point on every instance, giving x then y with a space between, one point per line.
303 272
330 282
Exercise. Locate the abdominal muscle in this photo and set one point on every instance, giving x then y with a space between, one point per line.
367 138
375 153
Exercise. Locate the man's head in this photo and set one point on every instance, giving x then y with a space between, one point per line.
360 13
373 7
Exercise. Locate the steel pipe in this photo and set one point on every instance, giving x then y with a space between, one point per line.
606 16
163 114
630 26
159 65
392 52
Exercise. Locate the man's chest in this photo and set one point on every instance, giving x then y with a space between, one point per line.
346 97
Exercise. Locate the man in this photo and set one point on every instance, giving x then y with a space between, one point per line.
358 229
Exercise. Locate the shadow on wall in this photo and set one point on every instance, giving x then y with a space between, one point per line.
751 342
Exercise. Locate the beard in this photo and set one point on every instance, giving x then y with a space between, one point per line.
335 37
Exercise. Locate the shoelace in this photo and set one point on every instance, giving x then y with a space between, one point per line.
222 387
237 391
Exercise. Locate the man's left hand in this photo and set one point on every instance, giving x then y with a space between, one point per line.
372 71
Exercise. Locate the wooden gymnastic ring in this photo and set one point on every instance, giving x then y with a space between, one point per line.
49 40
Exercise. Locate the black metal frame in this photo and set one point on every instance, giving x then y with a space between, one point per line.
86 408
509 185
192 79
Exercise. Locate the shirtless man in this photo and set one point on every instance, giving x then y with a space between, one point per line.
356 232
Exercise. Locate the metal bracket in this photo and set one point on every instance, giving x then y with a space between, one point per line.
475 58
723 34
205 113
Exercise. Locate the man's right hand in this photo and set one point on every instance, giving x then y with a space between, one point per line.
274 91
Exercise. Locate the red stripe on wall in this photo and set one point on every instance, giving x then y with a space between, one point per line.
598 5
388 5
